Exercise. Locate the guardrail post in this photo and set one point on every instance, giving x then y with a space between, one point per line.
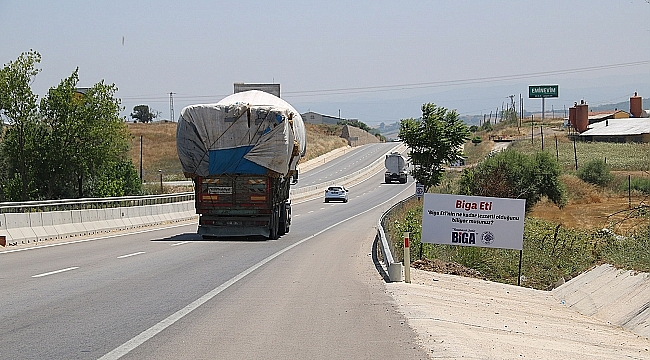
407 259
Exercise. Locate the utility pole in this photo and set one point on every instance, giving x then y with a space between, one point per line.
171 106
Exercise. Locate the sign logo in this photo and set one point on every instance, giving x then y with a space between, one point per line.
487 237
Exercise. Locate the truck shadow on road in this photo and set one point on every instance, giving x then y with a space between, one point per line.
197 237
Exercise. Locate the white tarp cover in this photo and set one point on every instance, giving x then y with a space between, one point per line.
253 119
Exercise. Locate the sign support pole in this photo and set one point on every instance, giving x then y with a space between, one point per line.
521 255
407 259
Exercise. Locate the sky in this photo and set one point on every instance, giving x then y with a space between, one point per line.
375 61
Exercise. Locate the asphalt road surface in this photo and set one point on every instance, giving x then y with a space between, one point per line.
166 294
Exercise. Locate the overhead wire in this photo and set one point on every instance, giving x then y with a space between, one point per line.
409 86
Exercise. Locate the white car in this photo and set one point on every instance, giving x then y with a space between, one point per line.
336 193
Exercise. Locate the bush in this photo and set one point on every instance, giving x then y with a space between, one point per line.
639 184
511 174
595 172
476 140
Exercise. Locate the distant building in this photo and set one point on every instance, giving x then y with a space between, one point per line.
619 130
311 117
611 126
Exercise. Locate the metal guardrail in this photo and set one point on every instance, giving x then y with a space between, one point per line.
93 203
388 254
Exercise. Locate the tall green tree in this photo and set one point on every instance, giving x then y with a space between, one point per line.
87 138
434 140
18 106
73 145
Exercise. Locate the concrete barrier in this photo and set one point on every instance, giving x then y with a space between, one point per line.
19 228
22 228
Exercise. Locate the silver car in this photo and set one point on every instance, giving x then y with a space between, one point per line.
336 193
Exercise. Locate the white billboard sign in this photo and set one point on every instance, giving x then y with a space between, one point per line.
473 221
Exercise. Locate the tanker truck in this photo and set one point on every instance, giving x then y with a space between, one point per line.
241 153
394 163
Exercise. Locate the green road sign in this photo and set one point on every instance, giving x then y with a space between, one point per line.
543 91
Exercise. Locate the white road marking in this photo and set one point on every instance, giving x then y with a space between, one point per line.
55 272
129 255
181 243
139 339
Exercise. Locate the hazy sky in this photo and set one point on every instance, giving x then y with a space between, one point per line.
377 61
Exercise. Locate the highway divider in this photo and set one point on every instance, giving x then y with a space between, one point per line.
49 220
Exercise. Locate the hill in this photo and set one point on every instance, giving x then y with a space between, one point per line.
159 147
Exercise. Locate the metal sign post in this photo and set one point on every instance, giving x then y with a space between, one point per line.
407 259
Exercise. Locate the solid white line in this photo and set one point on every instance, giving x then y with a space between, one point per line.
138 340
129 255
181 243
55 272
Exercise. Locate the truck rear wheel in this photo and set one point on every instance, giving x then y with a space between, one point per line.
283 227
274 224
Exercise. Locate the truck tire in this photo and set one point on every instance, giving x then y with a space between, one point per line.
273 224
283 227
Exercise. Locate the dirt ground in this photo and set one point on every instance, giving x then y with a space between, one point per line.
595 212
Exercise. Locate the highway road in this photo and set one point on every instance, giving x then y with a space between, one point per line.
354 159
166 294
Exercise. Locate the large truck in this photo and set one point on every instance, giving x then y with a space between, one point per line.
395 168
242 154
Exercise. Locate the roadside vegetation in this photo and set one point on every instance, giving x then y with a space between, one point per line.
596 214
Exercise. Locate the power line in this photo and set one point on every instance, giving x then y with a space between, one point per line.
411 86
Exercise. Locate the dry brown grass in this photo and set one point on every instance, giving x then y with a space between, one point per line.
322 139
159 147
592 208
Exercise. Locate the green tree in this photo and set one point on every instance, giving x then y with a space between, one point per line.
143 114
511 174
87 138
73 145
18 107
434 140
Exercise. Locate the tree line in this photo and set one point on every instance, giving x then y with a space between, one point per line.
71 143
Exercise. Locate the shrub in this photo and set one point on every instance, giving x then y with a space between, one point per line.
639 184
511 174
595 172
476 140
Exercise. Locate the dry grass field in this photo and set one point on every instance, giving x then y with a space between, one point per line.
159 147
590 207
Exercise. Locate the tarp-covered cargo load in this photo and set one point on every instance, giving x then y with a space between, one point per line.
245 133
